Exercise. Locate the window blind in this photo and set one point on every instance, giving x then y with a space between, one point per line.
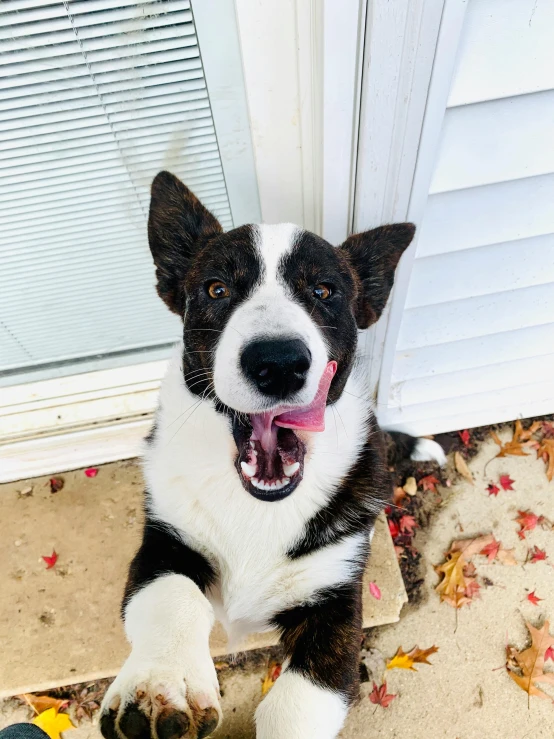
96 96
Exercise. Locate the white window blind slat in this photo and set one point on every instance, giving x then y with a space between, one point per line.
95 98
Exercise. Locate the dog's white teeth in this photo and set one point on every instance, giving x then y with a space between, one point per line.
290 469
252 445
276 485
248 469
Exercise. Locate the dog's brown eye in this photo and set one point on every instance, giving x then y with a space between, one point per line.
218 290
322 292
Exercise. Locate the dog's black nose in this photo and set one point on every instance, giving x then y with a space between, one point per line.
277 367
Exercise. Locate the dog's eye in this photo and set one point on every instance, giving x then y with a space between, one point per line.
218 290
322 292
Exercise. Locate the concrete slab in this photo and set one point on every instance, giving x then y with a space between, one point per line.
62 626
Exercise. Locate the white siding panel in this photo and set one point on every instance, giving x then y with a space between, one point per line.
471 381
481 271
479 316
496 141
487 215
477 351
506 49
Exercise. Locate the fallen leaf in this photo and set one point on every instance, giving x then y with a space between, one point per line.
464 436
458 588
536 555
51 560
493 489
52 722
40 703
56 484
429 482
549 654
461 466
91 472
548 430
380 697
520 439
221 665
407 524
26 492
506 482
491 550
398 495
546 451
527 522
393 528
526 434
399 551
375 590
506 556
530 662
410 486
534 599
406 660
273 672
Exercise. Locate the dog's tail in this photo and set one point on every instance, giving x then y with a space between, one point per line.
402 446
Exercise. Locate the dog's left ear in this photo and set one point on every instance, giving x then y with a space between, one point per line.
374 255
178 224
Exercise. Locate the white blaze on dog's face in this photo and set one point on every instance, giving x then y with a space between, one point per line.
270 315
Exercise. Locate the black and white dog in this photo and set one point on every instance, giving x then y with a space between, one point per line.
264 473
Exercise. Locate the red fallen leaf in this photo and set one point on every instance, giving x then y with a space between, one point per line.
407 524
470 570
91 471
549 654
464 436
472 589
536 555
527 522
491 550
493 489
51 560
429 482
532 598
375 590
506 482
393 528
380 697
56 484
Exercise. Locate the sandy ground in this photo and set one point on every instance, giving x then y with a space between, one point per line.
465 693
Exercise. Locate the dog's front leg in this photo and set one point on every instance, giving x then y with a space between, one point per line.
168 686
311 698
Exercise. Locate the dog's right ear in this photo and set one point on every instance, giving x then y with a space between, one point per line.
177 223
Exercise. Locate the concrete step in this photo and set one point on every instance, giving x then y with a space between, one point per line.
62 626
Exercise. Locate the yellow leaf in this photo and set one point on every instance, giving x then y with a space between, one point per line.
461 466
410 486
52 722
273 672
406 660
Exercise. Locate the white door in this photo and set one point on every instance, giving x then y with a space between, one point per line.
470 337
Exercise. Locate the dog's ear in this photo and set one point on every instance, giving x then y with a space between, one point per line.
176 223
374 255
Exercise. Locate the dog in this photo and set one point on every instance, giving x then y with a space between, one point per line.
265 472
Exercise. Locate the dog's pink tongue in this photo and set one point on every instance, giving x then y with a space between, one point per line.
308 418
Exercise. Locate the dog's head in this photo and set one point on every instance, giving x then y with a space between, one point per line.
270 319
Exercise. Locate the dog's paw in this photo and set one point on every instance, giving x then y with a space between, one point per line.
158 703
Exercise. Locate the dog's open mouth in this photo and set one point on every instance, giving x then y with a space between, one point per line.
270 462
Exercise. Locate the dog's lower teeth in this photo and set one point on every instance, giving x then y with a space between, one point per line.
275 485
290 469
248 469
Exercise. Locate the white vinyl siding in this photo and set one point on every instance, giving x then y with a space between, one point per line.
96 97
476 339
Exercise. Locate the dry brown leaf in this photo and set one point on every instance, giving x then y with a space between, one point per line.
40 703
506 556
546 451
406 660
458 585
526 434
530 662
463 469
513 447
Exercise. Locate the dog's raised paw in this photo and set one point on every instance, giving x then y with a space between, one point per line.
157 704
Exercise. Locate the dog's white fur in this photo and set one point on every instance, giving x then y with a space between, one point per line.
194 487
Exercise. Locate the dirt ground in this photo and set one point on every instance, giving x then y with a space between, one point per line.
465 693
